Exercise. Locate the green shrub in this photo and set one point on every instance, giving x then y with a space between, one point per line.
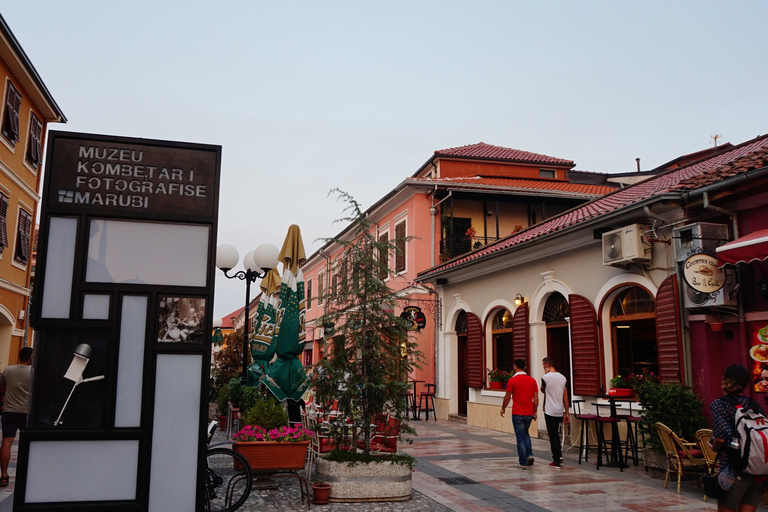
249 397
266 412
672 404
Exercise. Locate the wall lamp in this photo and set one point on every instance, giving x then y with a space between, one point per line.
519 300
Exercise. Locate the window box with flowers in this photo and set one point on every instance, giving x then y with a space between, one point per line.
497 378
269 451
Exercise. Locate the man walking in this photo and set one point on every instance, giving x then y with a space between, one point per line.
553 385
14 382
524 391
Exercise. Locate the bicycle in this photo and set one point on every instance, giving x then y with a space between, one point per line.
228 478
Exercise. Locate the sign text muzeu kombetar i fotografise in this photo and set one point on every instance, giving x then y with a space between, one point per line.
120 177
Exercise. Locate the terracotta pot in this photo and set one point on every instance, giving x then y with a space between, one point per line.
716 326
272 456
222 421
320 493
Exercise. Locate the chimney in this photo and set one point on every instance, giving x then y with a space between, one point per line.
638 164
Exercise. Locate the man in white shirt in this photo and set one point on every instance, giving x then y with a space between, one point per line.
553 385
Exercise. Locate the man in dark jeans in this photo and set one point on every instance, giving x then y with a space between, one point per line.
524 391
553 385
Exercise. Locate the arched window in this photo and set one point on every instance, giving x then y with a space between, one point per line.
633 328
501 332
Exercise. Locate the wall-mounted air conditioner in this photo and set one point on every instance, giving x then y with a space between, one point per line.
701 237
626 245
726 296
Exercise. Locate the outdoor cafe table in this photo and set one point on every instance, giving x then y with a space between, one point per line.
616 459
415 414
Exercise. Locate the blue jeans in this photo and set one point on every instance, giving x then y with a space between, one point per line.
521 425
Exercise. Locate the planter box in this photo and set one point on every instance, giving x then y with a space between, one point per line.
621 392
272 456
495 385
377 481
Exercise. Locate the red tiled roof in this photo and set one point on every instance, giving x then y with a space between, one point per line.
744 157
227 322
491 152
524 185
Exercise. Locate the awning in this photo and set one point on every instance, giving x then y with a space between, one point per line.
753 247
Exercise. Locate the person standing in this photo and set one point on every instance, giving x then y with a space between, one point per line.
553 385
14 382
524 392
743 492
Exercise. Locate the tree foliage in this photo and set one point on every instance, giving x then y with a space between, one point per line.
366 365
227 362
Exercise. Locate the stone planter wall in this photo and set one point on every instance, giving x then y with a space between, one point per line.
377 481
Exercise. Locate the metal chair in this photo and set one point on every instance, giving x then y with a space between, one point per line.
681 454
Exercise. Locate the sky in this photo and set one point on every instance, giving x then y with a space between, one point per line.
307 96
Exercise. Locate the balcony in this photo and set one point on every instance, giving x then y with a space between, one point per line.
453 246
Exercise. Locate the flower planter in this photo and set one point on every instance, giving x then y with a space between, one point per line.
320 493
222 421
272 456
621 392
360 482
495 385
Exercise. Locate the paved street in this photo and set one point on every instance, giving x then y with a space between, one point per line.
462 468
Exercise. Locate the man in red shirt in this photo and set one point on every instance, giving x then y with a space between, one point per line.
524 391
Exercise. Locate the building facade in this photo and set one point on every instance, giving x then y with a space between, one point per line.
613 287
27 108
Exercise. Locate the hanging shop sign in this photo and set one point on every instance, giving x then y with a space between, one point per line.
415 318
701 273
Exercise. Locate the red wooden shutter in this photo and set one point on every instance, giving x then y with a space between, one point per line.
474 351
520 334
585 347
668 337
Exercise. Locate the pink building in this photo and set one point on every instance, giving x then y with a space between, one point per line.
458 201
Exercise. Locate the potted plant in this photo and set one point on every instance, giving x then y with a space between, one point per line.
267 451
321 491
670 403
497 378
365 369
621 387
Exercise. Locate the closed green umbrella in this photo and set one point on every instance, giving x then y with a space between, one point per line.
263 328
286 377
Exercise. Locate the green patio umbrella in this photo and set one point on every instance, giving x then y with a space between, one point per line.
286 377
217 337
263 328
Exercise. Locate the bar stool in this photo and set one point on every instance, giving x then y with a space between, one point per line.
633 437
602 443
409 400
424 401
585 420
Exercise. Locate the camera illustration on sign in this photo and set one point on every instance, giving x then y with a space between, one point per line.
181 320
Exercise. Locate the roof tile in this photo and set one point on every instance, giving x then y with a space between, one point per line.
489 151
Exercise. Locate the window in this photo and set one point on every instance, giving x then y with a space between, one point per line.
501 330
384 255
23 237
34 149
633 322
309 293
547 173
10 127
3 222
400 244
320 288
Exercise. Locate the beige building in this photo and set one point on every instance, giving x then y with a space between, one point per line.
27 108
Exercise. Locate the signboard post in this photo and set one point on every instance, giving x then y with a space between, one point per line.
121 312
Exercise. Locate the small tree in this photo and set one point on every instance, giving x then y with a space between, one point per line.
227 363
370 352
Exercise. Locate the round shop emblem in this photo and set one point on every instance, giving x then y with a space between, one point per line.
701 273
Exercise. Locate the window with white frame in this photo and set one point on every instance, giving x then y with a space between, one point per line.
34 142
400 244
23 237
321 288
10 125
384 255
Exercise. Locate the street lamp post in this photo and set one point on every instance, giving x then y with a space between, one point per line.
257 264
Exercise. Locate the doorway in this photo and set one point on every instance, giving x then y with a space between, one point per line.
461 370
556 310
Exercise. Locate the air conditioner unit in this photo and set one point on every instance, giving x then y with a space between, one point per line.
701 237
726 296
626 245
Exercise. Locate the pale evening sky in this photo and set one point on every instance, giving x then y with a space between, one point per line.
305 96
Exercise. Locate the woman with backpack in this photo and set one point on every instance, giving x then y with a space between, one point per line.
743 491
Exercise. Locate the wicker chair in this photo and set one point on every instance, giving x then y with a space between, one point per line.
681 455
703 437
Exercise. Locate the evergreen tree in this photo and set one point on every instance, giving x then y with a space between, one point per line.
366 365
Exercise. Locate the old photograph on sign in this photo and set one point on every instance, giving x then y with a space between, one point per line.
181 320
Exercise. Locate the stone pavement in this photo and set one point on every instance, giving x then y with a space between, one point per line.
462 468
